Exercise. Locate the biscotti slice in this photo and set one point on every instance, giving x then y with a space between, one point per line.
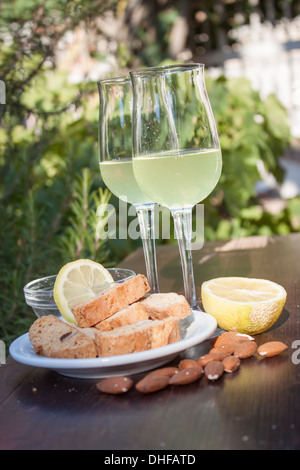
98 308
131 314
159 306
36 332
52 337
141 336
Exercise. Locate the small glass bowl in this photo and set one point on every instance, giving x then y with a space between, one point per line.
39 293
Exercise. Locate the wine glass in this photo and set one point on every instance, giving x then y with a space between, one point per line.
115 142
176 151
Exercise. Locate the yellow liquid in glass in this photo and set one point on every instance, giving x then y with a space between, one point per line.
119 178
178 179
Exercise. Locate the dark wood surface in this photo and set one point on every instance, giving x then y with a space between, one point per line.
258 407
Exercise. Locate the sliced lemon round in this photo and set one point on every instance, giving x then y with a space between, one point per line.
78 281
242 304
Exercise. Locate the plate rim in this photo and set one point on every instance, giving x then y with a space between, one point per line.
35 360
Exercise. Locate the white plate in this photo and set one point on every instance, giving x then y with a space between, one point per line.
194 329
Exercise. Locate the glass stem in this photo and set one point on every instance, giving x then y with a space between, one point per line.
146 221
183 228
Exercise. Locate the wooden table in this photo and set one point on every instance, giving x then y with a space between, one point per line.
258 407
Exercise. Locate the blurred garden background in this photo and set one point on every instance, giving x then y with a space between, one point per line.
52 54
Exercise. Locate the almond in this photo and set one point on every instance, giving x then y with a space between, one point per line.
187 376
211 356
115 385
214 370
152 383
225 348
188 363
245 349
232 337
231 364
271 348
166 371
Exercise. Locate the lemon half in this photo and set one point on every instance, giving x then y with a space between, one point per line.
78 281
241 304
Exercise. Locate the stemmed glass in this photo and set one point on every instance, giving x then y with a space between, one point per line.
176 152
115 142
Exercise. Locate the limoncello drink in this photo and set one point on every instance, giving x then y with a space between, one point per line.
178 179
119 178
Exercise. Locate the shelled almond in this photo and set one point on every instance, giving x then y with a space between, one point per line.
152 383
231 364
273 348
229 337
245 349
214 370
115 385
224 348
188 363
186 376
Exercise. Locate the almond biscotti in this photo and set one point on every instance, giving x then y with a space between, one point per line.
159 306
141 336
120 296
127 316
52 337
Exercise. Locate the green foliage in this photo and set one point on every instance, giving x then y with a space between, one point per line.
250 130
82 235
154 52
